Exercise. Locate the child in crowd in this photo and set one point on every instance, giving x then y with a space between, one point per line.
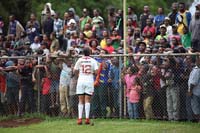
46 84
134 97
128 80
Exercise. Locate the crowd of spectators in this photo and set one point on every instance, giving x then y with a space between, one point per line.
156 86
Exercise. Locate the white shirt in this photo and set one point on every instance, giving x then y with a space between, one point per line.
35 46
86 66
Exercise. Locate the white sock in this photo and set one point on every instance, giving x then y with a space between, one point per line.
87 110
80 110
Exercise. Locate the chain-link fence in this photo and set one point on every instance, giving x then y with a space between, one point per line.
144 86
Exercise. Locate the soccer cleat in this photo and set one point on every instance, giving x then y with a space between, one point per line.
87 121
79 121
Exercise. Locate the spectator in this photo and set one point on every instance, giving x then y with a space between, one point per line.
186 38
99 31
144 16
46 84
25 71
131 15
116 39
114 78
173 14
73 15
135 97
45 12
54 44
172 90
34 22
147 92
12 85
109 48
149 27
1 25
174 34
99 100
194 26
162 34
103 42
35 45
94 46
48 25
96 20
64 85
88 31
119 23
129 38
128 79
168 26
193 90
54 89
84 19
15 28
159 19
57 25
31 31
183 17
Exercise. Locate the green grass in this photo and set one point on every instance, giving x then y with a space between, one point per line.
60 125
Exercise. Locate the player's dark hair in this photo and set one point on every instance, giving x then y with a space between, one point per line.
86 51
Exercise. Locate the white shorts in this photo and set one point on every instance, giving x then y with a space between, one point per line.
84 87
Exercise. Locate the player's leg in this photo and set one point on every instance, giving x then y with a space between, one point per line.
80 108
87 108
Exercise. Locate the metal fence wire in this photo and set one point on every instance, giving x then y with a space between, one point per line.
144 86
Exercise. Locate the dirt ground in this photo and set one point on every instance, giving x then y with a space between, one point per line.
19 122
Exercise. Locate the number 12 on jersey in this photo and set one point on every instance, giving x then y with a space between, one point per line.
86 69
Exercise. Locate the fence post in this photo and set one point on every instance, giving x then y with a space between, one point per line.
38 85
120 89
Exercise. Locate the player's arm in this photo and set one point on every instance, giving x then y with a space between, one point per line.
76 68
96 67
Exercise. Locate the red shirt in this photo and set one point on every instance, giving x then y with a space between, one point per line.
2 83
46 86
156 82
152 29
110 49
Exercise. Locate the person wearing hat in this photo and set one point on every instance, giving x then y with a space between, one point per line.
162 34
73 15
167 24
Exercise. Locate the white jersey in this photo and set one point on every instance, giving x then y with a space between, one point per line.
86 66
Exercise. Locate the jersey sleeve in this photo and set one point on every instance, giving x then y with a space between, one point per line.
77 65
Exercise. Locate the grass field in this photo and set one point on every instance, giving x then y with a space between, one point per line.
60 125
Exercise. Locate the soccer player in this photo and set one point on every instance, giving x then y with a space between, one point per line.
85 69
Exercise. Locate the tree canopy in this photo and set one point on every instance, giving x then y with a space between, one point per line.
22 8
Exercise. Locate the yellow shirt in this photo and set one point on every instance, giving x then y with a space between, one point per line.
103 43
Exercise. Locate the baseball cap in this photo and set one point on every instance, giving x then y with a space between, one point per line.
163 26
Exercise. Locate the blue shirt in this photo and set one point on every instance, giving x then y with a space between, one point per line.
114 75
12 80
158 20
